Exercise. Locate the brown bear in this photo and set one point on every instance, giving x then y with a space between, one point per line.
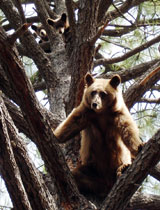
109 137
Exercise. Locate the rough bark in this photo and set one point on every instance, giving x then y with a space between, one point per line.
9 169
144 202
40 126
37 192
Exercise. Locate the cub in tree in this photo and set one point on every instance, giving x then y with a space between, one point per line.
62 26
109 137
40 32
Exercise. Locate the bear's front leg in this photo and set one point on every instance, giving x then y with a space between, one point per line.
72 125
130 135
122 169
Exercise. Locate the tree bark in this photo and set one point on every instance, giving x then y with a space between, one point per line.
40 126
9 169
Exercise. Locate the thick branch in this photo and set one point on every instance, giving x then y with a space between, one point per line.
9 169
136 91
103 7
40 126
144 201
28 41
132 73
150 100
19 32
155 172
129 182
20 9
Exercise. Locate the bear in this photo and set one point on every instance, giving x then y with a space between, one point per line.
109 136
61 25
39 31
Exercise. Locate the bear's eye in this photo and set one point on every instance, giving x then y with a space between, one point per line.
103 94
93 93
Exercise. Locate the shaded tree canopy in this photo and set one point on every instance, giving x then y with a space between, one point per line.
105 37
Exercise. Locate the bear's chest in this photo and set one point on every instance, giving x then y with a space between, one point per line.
105 125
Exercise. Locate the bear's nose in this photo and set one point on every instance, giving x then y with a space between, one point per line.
94 105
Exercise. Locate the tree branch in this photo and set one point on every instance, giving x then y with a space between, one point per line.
150 100
34 19
19 32
33 182
20 9
144 201
127 29
103 7
132 73
127 5
136 91
128 54
155 172
40 126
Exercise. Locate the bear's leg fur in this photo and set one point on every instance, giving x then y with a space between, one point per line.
89 181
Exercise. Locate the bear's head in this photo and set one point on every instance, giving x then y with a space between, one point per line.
40 32
102 95
60 24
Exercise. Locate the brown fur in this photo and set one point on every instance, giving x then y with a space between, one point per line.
110 138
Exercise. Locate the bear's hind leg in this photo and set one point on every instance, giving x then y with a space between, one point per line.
89 181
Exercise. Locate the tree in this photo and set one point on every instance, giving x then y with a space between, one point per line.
93 24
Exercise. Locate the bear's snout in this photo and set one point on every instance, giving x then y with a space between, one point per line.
94 105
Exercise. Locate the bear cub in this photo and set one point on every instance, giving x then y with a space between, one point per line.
109 136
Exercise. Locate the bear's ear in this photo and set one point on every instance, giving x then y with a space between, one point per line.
63 17
115 81
88 79
50 21
34 27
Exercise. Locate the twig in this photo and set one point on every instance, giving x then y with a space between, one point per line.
130 53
